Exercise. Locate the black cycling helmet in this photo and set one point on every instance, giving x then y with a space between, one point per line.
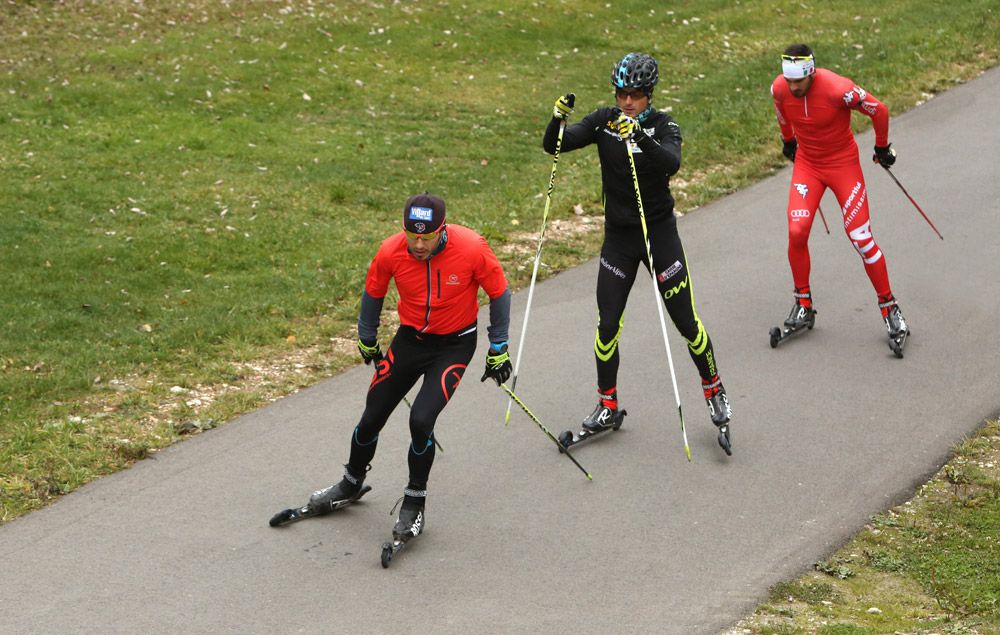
636 70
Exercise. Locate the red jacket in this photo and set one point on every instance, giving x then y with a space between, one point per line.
439 295
821 121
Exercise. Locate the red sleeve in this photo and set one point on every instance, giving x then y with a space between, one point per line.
489 274
380 271
779 89
857 98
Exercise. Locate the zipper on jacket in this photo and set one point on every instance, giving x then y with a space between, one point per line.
427 313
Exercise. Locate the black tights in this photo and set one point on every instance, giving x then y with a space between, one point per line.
441 361
623 250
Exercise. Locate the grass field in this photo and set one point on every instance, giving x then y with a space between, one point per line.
191 190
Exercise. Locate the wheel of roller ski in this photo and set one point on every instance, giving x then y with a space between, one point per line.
775 337
724 441
281 518
386 555
565 440
896 349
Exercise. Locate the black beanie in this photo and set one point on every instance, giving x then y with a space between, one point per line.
423 213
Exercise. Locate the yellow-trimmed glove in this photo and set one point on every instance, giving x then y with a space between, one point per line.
369 352
627 127
498 365
563 107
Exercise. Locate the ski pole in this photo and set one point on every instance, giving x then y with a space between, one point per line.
889 172
656 293
820 210
538 258
532 416
433 436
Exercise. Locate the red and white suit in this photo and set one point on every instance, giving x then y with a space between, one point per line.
827 157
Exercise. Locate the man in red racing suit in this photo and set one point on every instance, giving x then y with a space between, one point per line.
438 270
813 106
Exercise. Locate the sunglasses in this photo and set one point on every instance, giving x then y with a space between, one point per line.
427 236
796 58
634 93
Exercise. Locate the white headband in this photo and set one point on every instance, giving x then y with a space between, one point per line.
798 68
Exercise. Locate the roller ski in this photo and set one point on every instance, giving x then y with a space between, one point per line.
601 420
409 525
324 501
896 325
800 318
720 411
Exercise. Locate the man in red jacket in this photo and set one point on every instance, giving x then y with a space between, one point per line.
814 107
438 270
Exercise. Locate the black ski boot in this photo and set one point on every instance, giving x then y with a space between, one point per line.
322 502
336 496
602 419
800 318
896 325
720 411
409 524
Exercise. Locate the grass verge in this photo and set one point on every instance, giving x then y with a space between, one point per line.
929 566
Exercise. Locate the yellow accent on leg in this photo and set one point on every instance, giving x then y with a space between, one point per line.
700 342
605 351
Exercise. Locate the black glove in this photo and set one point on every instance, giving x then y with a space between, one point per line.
884 156
497 363
369 352
789 148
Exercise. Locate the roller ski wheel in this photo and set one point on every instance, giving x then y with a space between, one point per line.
390 549
897 344
724 441
289 516
409 525
899 331
569 438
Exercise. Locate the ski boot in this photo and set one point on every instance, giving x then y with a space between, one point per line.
896 325
800 318
322 502
721 413
409 524
602 419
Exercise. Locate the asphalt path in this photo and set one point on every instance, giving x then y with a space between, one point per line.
829 429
